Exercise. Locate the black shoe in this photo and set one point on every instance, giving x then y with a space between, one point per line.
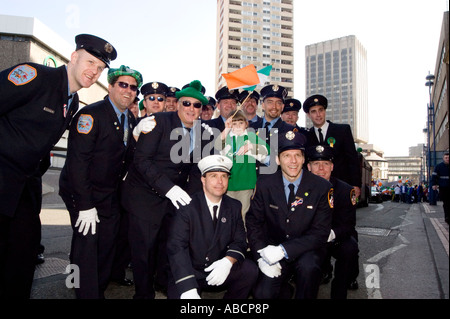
353 285
124 282
326 278
40 259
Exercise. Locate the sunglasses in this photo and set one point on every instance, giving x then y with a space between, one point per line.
124 85
197 105
159 98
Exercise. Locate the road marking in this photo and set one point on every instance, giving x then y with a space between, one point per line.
385 253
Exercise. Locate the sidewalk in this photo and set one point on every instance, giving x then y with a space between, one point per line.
438 236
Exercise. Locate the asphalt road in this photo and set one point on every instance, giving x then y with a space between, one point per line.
404 252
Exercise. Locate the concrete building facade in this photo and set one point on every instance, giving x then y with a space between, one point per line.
258 32
337 69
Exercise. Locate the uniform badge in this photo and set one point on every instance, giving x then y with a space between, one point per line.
22 74
223 220
108 48
275 87
155 85
331 141
331 198
290 135
353 196
319 148
85 123
297 201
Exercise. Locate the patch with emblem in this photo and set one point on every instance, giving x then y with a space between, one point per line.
22 74
85 124
353 196
297 201
331 198
331 141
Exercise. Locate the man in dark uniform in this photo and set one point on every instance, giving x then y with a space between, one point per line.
273 97
89 181
208 109
37 104
249 104
158 179
171 100
154 94
342 241
207 240
440 180
288 224
337 136
290 114
227 105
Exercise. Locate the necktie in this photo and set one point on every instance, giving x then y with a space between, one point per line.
122 126
291 195
320 136
215 208
66 106
266 126
191 146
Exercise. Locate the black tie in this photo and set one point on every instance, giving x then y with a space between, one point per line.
215 207
266 126
291 195
122 125
320 136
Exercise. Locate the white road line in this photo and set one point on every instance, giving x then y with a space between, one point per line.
385 253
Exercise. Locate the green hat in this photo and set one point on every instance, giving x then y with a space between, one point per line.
141 105
193 90
113 74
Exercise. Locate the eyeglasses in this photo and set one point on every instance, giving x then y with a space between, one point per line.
197 105
159 98
124 85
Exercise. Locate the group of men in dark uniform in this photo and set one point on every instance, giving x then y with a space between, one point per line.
148 170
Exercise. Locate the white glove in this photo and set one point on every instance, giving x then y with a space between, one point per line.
268 270
220 271
208 128
177 194
271 254
87 219
147 124
190 294
331 236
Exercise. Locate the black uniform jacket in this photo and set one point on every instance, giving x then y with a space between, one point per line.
345 157
193 243
31 122
161 161
269 222
344 211
217 122
96 157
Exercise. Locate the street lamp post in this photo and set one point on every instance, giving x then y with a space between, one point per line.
430 109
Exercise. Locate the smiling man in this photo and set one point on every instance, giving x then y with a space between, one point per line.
89 183
157 182
37 104
288 224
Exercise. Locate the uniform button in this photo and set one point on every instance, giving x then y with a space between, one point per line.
287 236
287 220
207 258
292 209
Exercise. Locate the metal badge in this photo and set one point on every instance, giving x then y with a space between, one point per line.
290 135
320 148
155 85
108 48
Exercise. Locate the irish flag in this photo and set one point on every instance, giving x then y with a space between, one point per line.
263 75
243 78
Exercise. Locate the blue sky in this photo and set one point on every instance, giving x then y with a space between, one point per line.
173 41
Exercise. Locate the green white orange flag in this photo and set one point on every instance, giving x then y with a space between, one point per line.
263 75
242 78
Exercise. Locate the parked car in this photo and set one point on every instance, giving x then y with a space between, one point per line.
376 196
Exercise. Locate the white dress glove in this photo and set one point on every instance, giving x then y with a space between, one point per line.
147 124
177 195
271 254
87 219
268 270
220 270
332 236
190 294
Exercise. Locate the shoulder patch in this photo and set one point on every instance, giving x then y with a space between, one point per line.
85 123
353 196
331 198
22 74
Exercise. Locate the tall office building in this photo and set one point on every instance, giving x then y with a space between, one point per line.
337 69
258 32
